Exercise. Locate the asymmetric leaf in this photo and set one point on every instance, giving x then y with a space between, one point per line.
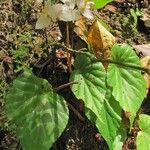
100 107
143 137
128 84
91 82
39 114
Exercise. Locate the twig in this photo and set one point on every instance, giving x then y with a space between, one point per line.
64 86
81 51
69 105
68 45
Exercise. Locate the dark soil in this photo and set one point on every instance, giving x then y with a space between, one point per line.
20 17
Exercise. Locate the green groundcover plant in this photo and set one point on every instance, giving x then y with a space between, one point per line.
41 115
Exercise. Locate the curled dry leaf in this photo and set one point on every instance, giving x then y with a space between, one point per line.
101 40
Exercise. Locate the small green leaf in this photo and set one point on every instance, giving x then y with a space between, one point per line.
91 82
110 125
39 114
143 137
101 3
128 84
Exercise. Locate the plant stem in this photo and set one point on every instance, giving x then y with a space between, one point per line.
65 85
123 65
82 51
68 45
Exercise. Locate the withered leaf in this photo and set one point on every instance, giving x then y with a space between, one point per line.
101 40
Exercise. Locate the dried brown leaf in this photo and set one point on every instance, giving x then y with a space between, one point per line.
101 40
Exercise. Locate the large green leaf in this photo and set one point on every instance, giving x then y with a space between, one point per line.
101 3
100 107
39 114
143 137
91 82
110 125
128 84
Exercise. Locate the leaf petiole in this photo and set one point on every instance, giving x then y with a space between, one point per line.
84 51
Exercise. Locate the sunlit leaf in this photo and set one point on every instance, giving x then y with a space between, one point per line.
128 84
101 3
143 137
39 114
